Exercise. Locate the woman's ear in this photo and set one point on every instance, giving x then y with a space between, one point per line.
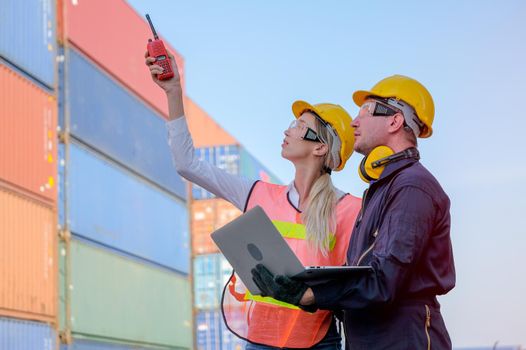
320 150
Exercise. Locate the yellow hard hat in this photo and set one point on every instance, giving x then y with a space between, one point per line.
408 90
338 118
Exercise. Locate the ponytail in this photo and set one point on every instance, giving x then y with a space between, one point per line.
320 215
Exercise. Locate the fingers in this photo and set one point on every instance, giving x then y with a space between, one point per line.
266 276
263 279
283 280
259 283
149 61
155 69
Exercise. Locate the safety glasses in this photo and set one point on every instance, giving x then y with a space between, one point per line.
379 109
308 133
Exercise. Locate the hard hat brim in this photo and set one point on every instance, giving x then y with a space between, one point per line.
360 96
299 107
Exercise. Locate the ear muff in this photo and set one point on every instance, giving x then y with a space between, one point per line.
372 166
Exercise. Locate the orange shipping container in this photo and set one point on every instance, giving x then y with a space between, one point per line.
28 270
206 132
115 36
207 216
28 140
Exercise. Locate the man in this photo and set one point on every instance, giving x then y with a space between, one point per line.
402 232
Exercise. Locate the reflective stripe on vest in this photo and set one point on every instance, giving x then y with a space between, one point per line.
287 230
297 231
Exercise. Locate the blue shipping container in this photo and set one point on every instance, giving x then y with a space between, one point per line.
251 168
61 187
208 330
28 37
26 335
82 344
223 157
211 272
109 118
212 333
234 160
109 205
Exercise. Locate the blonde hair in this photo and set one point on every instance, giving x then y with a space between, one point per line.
320 215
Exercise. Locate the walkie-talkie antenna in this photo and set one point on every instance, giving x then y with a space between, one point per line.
155 36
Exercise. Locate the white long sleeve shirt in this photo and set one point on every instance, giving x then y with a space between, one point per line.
233 188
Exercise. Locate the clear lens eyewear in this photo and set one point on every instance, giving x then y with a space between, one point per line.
308 133
379 109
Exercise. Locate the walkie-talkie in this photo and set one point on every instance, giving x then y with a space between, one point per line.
156 49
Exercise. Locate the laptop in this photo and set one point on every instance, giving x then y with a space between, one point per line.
253 239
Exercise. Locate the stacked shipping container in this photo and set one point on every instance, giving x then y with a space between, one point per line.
28 175
207 216
211 270
18 334
120 276
125 257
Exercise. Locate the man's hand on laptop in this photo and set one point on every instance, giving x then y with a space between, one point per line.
281 287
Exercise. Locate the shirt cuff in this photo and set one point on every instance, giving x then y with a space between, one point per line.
323 295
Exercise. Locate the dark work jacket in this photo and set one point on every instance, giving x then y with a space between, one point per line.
403 233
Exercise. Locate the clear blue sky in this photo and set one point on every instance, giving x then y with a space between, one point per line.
247 61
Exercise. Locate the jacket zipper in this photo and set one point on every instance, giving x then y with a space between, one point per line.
427 325
368 249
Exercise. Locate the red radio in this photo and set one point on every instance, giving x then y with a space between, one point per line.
156 49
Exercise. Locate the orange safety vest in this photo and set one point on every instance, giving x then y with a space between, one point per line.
267 321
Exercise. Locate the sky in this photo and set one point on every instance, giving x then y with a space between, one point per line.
247 61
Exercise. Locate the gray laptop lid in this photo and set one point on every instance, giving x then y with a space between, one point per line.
251 239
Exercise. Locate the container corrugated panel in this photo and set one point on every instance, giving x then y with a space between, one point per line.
225 157
28 145
114 297
87 344
211 272
206 132
117 43
18 334
252 168
109 205
207 216
61 187
208 330
110 119
212 334
28 268
28 37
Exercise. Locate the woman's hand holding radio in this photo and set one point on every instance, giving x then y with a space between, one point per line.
169 84
172 86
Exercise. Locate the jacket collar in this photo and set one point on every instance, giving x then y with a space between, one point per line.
395 166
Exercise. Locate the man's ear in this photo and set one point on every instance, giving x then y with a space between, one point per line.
320 150
396 123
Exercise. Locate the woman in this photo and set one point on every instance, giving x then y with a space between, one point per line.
314 217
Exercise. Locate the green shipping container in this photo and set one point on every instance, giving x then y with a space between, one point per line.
113 297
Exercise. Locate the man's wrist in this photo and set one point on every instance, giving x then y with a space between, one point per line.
307 298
